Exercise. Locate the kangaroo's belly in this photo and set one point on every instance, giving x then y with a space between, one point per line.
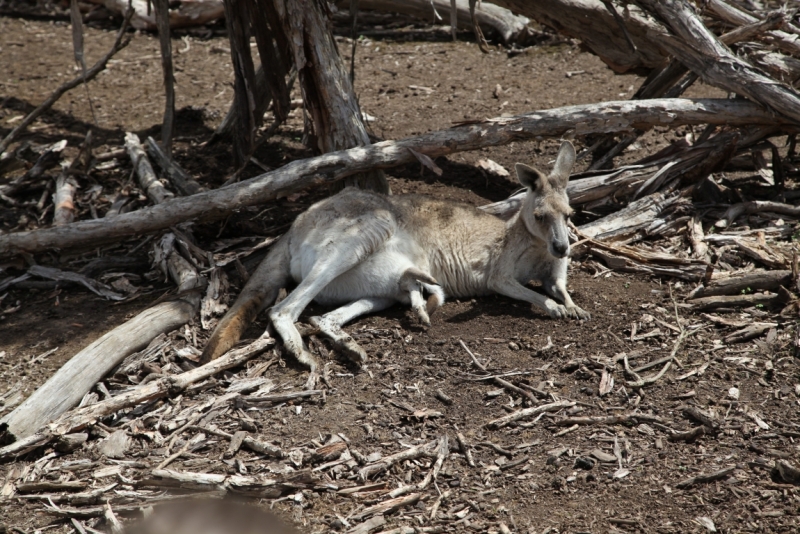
377 276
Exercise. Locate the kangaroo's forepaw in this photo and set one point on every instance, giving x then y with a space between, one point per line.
556 310
578 313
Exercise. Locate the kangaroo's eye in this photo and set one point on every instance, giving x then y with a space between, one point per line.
538 217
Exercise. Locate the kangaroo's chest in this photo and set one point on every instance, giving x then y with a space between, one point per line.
534 263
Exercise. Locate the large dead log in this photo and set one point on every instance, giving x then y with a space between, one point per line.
512 29
328 168
592 23
79 375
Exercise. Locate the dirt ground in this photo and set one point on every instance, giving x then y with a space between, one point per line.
412 81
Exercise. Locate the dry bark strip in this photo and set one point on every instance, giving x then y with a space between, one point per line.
328 168
79 418
97 68
255 486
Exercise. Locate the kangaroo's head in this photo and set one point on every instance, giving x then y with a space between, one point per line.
546 210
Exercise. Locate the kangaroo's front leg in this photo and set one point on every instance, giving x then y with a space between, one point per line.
558 290
515 290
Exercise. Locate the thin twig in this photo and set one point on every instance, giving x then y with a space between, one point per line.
97 68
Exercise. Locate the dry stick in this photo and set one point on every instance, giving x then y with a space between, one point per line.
783 40
424 450
702 479
700 50
462 443
502 22
66 186
147 177
162 22
178 177
80 418
328 168
529 412
76 20
499 381
96 69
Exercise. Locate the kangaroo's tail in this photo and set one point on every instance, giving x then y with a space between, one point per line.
260 291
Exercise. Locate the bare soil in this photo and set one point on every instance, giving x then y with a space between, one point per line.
413 81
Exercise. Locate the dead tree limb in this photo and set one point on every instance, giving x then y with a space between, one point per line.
328 168
80 418
185 14
594 25
97 68
696 47
732 14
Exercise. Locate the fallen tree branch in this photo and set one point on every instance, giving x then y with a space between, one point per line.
327 168
756 280
80 418
97 68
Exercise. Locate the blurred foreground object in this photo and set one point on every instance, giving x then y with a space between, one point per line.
209 516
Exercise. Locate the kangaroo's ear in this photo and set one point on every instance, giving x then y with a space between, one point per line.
529 177
564 163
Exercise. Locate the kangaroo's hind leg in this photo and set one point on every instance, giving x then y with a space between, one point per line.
352 245
331 324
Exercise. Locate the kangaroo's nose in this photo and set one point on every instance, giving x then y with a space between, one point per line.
560 248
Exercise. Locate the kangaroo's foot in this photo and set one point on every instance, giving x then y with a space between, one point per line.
312 381
341 339
576 312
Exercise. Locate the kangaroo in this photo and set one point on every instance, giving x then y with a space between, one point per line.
368 251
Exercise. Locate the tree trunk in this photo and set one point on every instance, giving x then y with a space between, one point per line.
333 111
